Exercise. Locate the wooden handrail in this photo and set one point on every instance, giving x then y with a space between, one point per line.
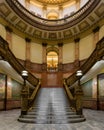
7 55
96 55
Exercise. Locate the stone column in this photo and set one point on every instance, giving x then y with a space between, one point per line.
44 66
24 99
96 35
76 63
60 11
77 5
79 98
60 58
27 54
44 11
27 4
9 36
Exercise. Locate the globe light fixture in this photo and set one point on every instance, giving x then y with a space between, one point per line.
24 74
79 73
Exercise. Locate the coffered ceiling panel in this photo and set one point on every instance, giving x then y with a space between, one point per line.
67 33
4 9
21 25
37 33
83 25
100 10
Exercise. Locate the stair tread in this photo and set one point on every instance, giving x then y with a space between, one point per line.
42 121
51 107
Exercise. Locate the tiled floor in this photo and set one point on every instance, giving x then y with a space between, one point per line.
94 121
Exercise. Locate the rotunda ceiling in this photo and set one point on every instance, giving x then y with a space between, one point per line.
39 29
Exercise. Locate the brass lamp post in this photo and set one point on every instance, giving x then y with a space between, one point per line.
24 74
24 94
79 94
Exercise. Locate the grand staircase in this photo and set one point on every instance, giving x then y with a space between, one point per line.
51 107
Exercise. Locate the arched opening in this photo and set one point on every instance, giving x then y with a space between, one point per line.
52 15
52 61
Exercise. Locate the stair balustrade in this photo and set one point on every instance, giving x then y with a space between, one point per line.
28 92
72 83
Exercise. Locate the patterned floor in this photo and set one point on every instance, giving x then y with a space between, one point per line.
94 121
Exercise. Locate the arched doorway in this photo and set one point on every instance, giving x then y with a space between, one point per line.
52 77
52 61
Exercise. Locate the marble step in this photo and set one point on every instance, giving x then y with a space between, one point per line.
58 113
51 121
51 107
52 116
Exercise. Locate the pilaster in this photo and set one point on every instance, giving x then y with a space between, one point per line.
78 4
60 58
76 62
27 54
95 35
44 66
9 36
27 4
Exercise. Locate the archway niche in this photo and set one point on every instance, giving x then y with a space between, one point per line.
52 59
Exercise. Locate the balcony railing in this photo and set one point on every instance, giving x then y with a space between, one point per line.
52 25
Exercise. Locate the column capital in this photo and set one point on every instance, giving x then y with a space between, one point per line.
8 29
44 44
60 44
60 7
96 29
76 40
27 39
44 7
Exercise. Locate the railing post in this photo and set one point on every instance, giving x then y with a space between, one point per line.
79 94
79 99
24 94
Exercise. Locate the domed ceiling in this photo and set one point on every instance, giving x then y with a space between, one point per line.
53 2
39 29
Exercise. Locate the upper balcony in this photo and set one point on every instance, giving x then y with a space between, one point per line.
37 27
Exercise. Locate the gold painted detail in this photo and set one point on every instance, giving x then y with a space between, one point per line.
53 2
